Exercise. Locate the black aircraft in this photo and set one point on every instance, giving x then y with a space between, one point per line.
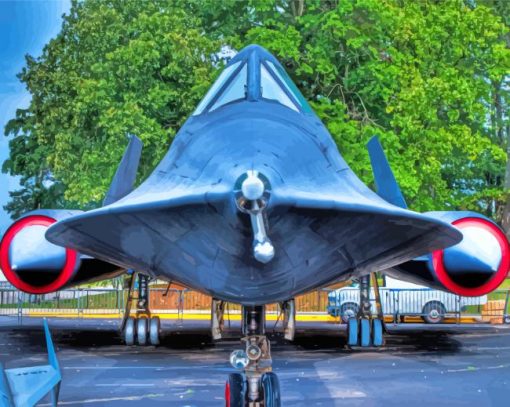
253 204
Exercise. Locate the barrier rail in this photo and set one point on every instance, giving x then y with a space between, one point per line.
432 306
398 305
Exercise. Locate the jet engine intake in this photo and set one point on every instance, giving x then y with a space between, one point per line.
478 264
30 262
474 267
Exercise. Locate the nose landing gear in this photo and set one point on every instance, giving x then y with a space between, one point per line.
142 329
258 386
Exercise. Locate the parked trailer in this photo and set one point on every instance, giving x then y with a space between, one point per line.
399 299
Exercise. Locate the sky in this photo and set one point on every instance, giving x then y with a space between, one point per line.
25 27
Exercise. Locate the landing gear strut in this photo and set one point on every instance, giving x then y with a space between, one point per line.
364 329
258 386
143 328
217 318
289 319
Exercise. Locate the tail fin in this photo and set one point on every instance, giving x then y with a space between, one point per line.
26 386
385 182
52 356
125 176
5 390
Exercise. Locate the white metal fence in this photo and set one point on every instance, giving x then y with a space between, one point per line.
396 303
432 305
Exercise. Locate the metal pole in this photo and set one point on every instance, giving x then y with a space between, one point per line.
20 309
457 308
506 317
364 294
396 301
377 293
80 311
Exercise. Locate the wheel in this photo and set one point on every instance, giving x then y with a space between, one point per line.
154 331
235 390
270 390
364 330
141 331
129 332
352 332
348 310
506 320
434 312
377 332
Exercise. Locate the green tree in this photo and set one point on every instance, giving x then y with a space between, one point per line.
117 67
424 76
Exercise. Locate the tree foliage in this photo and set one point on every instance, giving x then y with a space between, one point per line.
430 78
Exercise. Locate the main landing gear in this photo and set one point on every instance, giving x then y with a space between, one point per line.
142 329
257 386
288 309
217 318
364 329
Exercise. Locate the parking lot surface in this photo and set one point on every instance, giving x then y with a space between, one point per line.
419 366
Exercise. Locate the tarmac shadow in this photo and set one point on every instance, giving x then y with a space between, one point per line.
440 343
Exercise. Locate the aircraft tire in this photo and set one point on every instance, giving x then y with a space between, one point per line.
141 331
129 332
364 329
271 390
434 312
352 332
377 332
154 331
235 390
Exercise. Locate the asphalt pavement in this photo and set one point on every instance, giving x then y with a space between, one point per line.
419 366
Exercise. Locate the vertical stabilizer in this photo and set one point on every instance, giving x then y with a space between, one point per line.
385 182
125 176
5 390
26 386
52 356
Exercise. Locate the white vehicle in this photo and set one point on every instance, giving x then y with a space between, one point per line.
400 299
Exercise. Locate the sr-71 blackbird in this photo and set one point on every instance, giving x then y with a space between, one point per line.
253 204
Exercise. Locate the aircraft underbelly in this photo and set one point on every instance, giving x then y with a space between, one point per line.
200 247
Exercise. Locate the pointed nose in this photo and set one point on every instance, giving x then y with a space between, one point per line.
252 187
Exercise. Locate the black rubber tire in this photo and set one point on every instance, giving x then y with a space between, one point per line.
270 386
130 332
154 331
434 312
235 390
348 310
142 331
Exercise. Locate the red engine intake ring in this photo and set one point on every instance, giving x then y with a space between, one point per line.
499 276
64 276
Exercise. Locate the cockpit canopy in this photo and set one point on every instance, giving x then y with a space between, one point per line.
254 74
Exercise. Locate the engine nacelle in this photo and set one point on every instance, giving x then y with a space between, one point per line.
479 263
474 267
34 265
